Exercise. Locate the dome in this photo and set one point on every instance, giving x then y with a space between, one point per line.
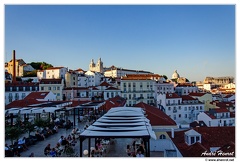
175 75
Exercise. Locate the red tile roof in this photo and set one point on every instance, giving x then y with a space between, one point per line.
220 110
197 94
155 115
185 85
210 115
36 95
187 97
172 95
21 84
22 103
228 148
105 84
76 88
228 96
116 101
211 137
112 88
51 81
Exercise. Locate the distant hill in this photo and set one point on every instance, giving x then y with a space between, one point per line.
40 65
37 66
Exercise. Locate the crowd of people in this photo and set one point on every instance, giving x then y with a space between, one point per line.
65 144
135 150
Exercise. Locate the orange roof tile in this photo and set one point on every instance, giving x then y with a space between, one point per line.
211 137
36 95
155 115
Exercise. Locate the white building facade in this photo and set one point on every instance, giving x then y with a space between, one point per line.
93 78
19 91
115 72
163 88
217 118
56 73
182 109
185 89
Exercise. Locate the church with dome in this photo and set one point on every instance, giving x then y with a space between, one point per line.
176 78
175 75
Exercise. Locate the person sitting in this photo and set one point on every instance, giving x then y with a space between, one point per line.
55 129
97 151
39 136
128 150
74 141
61 139
69 138
139 153
53 152
141 148
92 153
64 141
99 145
74 131
47 149
8 151
58 149
49 131
22 142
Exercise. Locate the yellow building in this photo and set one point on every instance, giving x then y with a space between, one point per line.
205 98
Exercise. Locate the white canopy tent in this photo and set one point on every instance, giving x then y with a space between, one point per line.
121 122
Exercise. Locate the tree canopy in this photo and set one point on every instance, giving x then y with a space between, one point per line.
40 65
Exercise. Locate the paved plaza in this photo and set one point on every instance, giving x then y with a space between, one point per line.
118 149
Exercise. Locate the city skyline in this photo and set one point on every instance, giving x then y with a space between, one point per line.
195 40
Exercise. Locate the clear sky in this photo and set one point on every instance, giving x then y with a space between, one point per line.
195 40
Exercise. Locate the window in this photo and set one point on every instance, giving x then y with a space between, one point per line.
23 95
169 108
197 138
162 136
185 115
179 115
192 140
49 88
54 88
112 94
179 107
185 108
130 103
42 88
107 95
58 88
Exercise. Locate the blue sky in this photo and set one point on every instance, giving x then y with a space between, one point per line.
196 40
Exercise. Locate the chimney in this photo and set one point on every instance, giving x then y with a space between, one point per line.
172 132
14 67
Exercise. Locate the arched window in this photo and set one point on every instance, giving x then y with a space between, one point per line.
162 136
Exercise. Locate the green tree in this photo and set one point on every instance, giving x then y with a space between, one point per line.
13 133
40 65
165 77
29 127
42 123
